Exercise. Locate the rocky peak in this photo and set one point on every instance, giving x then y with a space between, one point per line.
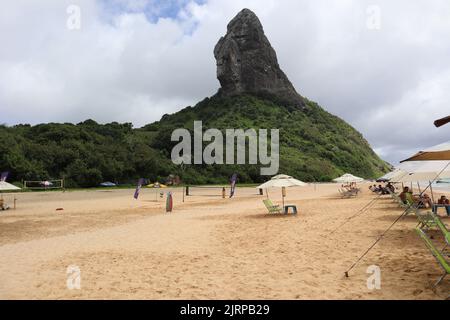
247 63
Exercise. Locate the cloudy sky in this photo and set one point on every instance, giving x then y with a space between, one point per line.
383 66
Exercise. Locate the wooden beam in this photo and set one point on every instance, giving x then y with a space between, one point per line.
441 122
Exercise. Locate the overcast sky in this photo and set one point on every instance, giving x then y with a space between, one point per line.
383 66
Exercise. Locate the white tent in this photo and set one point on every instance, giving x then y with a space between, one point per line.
439 152
348 178
282 181
390 175
422 171
5 186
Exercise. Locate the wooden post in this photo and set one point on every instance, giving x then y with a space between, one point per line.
15 199
432 195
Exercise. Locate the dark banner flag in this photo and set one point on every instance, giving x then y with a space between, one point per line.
233 181
138 188
4 176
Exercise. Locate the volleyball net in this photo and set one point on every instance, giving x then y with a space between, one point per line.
217 191
207 191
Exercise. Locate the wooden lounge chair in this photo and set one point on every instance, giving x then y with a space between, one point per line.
439 257
271 207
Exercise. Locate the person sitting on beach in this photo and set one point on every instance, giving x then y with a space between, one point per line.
390 187
382 190
425 201
442 202
3 205
406 196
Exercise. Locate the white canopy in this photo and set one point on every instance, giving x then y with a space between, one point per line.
422 171
388 176
439 152
280 181
5 186
348 178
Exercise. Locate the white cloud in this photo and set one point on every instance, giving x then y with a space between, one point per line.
122 66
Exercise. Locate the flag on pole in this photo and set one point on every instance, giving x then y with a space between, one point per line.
233 181
138 188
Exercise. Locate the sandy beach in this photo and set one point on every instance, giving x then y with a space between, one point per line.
209 247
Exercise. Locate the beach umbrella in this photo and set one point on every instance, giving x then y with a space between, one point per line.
156 185
5 186
439 152
282 181
348 178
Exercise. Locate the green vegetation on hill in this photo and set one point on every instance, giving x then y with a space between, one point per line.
314 146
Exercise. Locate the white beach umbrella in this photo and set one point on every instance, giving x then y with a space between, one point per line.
5 186
282 181
348 178
439 152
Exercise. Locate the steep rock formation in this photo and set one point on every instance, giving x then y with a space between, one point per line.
247 63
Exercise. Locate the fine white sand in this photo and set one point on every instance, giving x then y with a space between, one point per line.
209 247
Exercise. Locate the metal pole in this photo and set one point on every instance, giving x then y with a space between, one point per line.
432 195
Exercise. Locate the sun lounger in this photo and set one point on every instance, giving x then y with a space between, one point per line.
439 257
409 205
348 193
443 229
426 220
271 207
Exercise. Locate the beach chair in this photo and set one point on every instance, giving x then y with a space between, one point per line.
439 257
395 197
347 193
426 220
271 207
441 226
